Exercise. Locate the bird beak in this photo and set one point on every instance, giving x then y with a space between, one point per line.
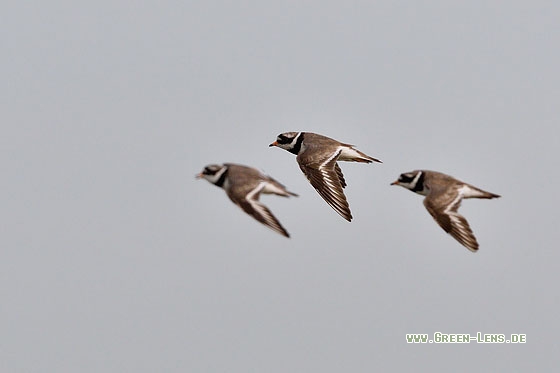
275 143
198 176
396 182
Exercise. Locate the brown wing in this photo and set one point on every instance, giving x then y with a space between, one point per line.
443 206
328 180
249 202
340 175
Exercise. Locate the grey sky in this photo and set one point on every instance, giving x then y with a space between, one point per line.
114 258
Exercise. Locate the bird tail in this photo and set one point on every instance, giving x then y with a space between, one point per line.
352 154
474 192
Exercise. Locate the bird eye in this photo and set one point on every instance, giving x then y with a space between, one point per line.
405 178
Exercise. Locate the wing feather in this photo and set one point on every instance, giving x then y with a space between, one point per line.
251 205
327 179
444 209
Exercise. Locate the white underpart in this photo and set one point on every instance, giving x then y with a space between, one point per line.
271 188
468 192
349 154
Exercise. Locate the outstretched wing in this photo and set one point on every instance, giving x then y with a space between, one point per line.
340 175
444 206
327 179
251 205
